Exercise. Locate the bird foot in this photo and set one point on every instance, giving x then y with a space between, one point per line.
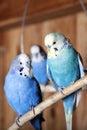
32 108
18 121
61 90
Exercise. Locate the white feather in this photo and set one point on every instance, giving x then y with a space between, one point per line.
35 49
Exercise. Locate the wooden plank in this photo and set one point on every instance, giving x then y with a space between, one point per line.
11 12
2 54
82 36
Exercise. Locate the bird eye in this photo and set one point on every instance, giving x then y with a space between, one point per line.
54 43
20 63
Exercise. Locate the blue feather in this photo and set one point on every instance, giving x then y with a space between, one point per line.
39 63
23 91
40 71
64 67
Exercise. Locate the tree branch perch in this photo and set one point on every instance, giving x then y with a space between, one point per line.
48 88
50 101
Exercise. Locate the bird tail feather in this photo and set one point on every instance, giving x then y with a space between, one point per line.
68 118
77 98
36 122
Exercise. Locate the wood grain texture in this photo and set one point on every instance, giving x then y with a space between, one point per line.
82 36
2 55
11 12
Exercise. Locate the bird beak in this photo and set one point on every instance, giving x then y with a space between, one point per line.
30 71
48 50
28 65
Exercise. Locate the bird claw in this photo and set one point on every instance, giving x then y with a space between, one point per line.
18 121
61 90
32 108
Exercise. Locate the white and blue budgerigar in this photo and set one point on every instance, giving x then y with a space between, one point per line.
39 62
64 68
22 89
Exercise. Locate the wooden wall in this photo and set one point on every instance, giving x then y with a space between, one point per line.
75 28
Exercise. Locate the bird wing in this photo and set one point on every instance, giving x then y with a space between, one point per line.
79 92
81 66
50 77
49 73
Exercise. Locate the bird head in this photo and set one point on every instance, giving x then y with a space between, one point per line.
36 55
54 42
22 65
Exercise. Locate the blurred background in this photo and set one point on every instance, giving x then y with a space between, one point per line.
43 17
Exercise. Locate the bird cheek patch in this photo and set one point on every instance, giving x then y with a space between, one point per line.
52 53
23 72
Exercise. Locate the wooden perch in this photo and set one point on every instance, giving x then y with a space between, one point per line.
48 88
50 101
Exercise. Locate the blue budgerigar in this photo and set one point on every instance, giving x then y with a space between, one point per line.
64 68
22 89
39 62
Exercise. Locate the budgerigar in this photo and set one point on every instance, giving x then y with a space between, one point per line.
64 68
22 89
39 62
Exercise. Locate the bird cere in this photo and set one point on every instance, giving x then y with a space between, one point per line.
62 66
